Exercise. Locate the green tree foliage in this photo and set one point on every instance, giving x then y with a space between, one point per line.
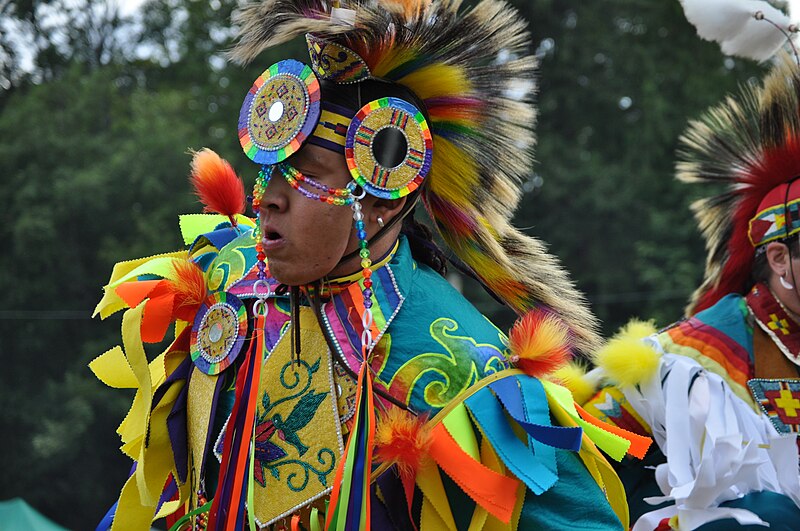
619 81
95 128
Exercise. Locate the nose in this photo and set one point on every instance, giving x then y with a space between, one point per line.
276 194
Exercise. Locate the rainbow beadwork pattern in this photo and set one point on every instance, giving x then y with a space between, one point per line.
279 112
218 333
376 178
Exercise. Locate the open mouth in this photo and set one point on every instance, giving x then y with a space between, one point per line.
272 239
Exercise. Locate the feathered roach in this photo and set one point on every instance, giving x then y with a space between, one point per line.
472 71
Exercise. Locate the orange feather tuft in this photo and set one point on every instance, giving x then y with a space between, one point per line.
402 439
539 343
189 288
217 185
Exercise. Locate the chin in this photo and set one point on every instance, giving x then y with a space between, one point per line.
290 274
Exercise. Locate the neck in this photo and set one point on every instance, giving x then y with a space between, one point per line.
378 250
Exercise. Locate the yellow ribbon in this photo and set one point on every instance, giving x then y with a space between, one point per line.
194 225
130 369
613 445
160 264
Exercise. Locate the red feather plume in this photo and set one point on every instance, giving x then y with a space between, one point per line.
216 185
539 343
777 166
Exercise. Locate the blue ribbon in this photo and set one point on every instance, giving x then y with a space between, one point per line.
525 400
488 414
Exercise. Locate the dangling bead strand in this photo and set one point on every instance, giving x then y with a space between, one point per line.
258 193
366 273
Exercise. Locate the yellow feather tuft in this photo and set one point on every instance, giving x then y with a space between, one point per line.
573 377
637 329
437 80
450 160
626 359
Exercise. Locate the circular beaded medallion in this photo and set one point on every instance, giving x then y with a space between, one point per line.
389 148
218 332
279 112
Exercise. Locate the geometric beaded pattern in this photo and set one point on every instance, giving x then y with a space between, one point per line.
336 62
279 112
405 177
780 402
218 332
771 224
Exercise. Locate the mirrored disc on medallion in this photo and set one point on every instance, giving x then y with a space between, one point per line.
218 333
279 112
389 148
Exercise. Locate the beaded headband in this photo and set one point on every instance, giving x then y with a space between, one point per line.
778 216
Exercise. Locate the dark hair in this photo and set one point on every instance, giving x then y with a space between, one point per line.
423 248
355 95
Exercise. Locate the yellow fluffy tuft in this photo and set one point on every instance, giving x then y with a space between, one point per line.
637 329
437 80
573 377
626 360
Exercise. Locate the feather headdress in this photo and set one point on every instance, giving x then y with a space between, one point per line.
471 70
752 144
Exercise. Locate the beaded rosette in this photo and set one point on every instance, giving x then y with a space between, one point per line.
389 148
280 111
218 333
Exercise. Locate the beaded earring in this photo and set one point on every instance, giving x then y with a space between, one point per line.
366 272
262 180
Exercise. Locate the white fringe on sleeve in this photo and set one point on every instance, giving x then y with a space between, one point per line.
717 447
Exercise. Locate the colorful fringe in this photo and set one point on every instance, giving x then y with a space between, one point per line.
228 510
493 467
349 507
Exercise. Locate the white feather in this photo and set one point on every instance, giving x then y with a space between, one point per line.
733 25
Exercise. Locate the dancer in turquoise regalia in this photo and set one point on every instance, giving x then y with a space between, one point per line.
324 373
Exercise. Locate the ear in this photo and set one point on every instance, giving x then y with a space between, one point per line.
778 258
386 209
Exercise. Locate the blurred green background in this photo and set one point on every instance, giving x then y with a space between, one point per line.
99 107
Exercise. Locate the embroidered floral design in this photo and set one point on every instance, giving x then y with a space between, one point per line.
272 453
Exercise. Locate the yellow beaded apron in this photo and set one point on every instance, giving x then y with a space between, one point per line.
298 436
